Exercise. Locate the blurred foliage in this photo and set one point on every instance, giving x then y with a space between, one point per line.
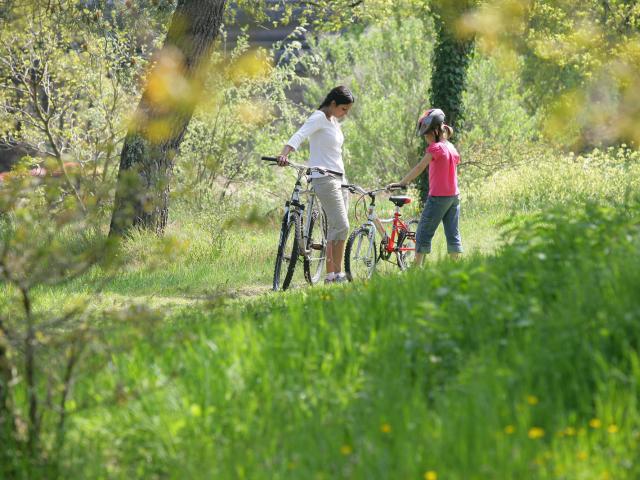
47 240
331 15
581 60
497 131
245 111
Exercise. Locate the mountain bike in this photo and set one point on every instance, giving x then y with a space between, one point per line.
303 232
363 252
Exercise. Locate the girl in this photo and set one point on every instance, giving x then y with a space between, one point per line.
325 144
443 203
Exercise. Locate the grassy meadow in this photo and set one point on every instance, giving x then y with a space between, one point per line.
168 356
520 361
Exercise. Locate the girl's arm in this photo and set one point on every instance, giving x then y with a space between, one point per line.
415 171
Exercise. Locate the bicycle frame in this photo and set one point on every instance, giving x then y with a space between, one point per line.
396 227
377 223
294 201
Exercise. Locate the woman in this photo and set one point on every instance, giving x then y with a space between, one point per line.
325 144
443 204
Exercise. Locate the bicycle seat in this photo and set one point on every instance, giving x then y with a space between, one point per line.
400 200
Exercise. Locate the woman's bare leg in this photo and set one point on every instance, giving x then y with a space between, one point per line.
335 255
338 254
329 256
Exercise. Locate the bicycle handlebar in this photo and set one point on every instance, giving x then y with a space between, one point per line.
353 188
297 166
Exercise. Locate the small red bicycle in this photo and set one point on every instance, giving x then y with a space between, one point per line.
363 251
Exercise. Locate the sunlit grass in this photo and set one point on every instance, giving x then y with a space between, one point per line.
517 365
521 365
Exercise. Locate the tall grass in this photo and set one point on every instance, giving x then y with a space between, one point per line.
518 365
520 361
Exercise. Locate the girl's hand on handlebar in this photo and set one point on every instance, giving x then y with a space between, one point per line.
283 161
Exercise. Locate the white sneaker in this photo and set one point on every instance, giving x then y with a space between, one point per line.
341 278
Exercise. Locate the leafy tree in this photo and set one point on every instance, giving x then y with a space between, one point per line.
162 116
581 63
47 240
451 56
67 77
245 115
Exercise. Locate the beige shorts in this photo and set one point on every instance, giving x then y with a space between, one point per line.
335 201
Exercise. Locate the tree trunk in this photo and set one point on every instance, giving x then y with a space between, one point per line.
451 57
451 60
5 378
162 116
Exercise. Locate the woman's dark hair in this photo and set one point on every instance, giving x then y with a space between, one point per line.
341 95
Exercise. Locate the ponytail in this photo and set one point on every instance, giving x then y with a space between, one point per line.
447 131
442 132
341 95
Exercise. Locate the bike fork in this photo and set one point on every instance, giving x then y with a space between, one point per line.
371 247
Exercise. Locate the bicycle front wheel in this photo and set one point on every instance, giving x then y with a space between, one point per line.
288 252
407 245
316 248
360 254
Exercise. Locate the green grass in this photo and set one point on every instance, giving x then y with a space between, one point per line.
520 361
488 368
198 261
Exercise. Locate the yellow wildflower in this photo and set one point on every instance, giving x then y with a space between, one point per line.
385 428
595 423
430 475
570 431
532 400
346 450
509 429
582 456
535 433
613 428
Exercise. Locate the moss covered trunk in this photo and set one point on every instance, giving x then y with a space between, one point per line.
451 57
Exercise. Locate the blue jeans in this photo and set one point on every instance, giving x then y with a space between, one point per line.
439 209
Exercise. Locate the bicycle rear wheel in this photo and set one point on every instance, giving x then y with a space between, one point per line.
360 256
316 247
407 239
288 252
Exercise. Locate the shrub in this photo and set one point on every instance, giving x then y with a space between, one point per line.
388 68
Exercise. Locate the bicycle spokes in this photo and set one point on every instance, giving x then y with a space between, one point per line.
360 254
315 252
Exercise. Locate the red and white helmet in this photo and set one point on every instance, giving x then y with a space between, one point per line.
429 120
